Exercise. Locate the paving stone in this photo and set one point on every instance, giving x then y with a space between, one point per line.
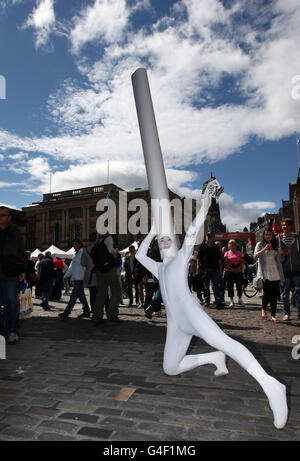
140 415
51 437
41 411
108 411
58 426
95 432
21 420
75 406
16 409
79 417
118 422
134 436
18 433
163 432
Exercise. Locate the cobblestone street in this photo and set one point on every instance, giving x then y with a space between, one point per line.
69 380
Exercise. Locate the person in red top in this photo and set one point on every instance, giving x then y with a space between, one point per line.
58 278
233 266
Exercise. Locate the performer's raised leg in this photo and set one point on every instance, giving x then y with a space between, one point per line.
175 359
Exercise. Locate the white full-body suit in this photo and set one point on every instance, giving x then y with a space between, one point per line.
186 318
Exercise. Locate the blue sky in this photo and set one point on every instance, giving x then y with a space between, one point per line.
223 78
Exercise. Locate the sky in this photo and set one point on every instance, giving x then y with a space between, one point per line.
225 83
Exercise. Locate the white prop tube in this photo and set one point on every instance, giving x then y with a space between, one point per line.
185 316
160 203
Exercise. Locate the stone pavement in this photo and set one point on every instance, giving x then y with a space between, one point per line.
62 380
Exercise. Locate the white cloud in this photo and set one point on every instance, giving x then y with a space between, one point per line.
42 20
6 184
13 207
237 216
104 19
260 205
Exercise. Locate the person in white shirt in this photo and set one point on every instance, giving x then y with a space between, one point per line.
76 270
269 265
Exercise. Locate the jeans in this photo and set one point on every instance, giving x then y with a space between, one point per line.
156 301
213 276
78 292
47 288
292 283
9 299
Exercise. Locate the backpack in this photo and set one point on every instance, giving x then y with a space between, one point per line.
102 258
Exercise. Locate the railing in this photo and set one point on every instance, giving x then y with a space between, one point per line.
79 192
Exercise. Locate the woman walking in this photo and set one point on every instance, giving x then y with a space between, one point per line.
233 266
76 271
270 267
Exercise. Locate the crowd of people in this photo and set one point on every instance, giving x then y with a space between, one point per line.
112 279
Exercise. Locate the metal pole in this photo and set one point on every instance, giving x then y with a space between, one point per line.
160 202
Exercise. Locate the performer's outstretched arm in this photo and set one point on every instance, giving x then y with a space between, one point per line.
141 254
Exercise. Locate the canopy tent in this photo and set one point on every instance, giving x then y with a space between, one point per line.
123 252
70 253
57 252
35 253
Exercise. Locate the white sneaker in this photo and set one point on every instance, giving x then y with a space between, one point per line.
286 317
231 304
241 302
13 338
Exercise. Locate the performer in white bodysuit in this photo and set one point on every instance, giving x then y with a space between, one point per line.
186 318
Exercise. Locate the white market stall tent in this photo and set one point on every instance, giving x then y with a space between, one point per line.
123 252
57 252
35 253
71 252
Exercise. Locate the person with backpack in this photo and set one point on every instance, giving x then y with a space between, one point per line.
76 270
103 255
289 248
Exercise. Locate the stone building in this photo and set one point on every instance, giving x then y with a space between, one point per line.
291 208
62 216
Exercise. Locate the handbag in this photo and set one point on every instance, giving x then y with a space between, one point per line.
25 304
258 282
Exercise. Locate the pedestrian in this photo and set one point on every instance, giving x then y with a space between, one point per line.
154 305
76 271
209 261
222 270
103 255
129 266
270 268
89 281
234 276
289 248
12 271
119 264
30 276
38 289
66 281
58 278
46 279
139 280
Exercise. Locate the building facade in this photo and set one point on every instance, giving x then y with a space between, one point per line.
62 216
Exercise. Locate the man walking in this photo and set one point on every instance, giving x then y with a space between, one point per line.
103 255
209 261
289 247
46 278
12 270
